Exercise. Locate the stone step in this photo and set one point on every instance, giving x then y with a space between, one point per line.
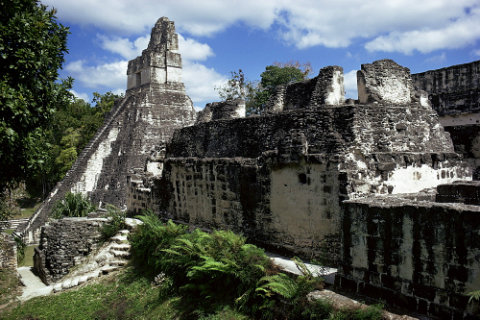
119 238
119 263
120 247
108 269
120 254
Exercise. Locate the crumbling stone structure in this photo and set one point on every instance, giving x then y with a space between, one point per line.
64 244
280 178
419 255
8 252
325 89
454 93
154 106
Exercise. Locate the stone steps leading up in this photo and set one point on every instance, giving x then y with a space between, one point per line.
112 257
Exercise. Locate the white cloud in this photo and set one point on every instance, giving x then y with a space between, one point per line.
200 82
454 34
82 96
190 49
401 26
199 18
350 82
355 56
111 75
437 59
123 46
476 52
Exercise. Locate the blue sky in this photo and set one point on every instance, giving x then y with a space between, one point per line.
219 36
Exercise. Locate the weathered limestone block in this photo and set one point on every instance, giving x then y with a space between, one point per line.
229 109
419 255
325 89
467 192
384 81
64 243
453 90
205 115
329 89
8 252
276 102
160 62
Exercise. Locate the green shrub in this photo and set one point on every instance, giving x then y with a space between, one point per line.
373 312
72 205
218 267
150 238
21 247
116 222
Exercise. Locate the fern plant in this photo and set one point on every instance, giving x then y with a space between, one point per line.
115 223
72 205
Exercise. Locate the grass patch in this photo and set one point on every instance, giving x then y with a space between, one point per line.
125 296
9 286
131 295
27 212
28 261
9 231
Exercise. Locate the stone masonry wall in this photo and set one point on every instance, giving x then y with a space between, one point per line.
64 243
454 93
8 252
280 178
453 90
418 255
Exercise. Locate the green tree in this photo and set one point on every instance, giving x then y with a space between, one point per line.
236 87
73 126
273 76
32 49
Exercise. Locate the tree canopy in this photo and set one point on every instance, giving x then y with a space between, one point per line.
72 127
32 49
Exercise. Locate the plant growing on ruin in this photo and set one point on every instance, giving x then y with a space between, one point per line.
21 247
150 238
72 205
236 87
116 222
474 295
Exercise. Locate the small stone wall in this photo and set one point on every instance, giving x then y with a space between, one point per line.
8 252
64 243
325 89
419 255
453 90
384 81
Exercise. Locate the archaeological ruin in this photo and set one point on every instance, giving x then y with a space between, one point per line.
382 186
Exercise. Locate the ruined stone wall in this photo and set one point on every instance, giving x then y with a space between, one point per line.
454 93
453 90
325 89
419 255
279 179
8 252
370 128
65 243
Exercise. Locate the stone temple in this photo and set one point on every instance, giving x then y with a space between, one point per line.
376 185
